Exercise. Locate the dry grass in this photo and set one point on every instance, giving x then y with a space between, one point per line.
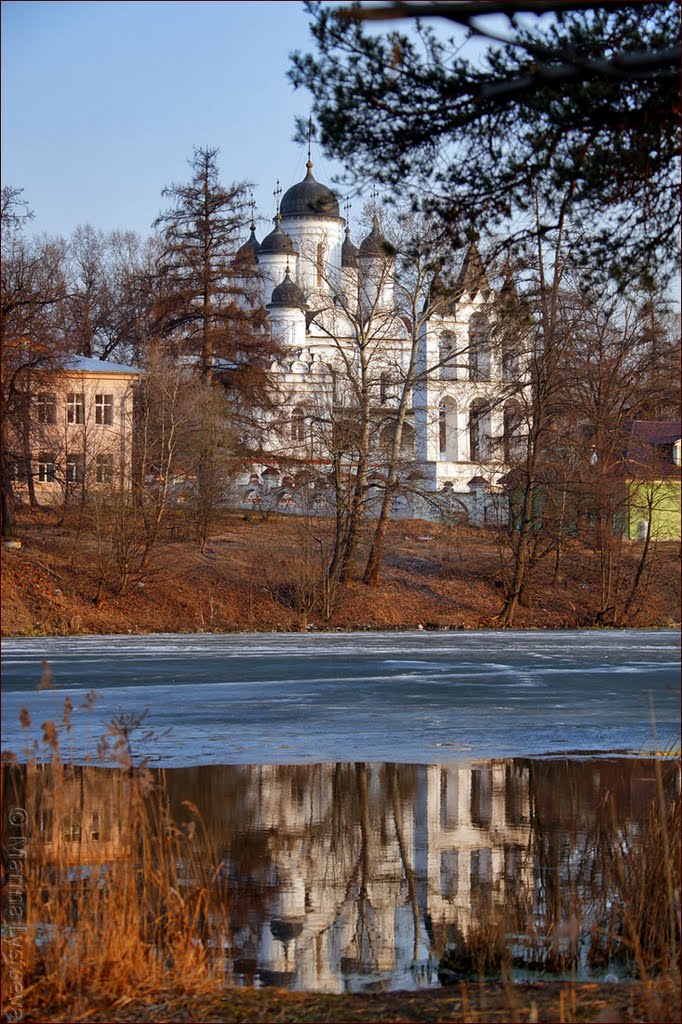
149 919
461 1004
620 911
255 571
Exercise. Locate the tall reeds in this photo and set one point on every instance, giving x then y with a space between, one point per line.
605 899
120 903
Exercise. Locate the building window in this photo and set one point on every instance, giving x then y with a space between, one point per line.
104 410
478 415
298 425
383 389
46 407
19 469
320 264
442 429
512 425
47 470
75 407
449 874
510 364
479 348
75 469
104 469
482 797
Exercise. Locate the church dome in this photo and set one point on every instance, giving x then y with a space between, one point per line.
349 252
251 247
277 241
309 198
287 294
376 244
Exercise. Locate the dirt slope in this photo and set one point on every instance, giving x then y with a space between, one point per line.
256 572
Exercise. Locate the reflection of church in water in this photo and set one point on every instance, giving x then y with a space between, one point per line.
348 876
425 851
326 300
340 875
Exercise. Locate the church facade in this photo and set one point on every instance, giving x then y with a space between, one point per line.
351 332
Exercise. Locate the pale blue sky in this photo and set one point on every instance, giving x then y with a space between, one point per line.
103 103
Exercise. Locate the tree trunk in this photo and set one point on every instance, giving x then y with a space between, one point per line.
376 551
26 447
522 544
8 503
404 856
356 511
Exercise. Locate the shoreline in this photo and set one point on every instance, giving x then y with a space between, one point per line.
338 630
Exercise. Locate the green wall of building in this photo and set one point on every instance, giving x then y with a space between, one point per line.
658 500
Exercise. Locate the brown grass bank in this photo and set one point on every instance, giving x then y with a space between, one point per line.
261 573
462 1004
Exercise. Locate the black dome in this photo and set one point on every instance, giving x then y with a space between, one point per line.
287 294
309 199
348 252
285 931
277 240
375 244
250 248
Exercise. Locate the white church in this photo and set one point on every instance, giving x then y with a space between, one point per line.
345 328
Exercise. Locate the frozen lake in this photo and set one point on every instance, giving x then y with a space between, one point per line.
418 697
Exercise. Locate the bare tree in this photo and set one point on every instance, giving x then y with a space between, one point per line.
544 329
613 378
361 323
33 288
419 296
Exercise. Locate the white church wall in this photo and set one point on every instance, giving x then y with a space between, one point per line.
319 371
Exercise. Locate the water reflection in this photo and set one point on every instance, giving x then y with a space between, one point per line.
359 875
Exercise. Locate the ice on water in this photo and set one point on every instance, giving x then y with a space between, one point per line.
289 698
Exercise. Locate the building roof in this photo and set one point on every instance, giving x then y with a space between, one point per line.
348 252
82 364
287 294
656 432
250 248
472 277
309 198
649 448
376 244
277 241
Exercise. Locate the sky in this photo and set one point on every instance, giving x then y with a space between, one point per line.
103 104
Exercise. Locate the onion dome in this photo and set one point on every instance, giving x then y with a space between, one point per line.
251 247
309 198
287 294
349 252
376 244
277 241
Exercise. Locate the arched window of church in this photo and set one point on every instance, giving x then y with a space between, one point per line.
298 424
442 429
479 347
320 264
511 428
478 416
383 389
407 440
510 363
